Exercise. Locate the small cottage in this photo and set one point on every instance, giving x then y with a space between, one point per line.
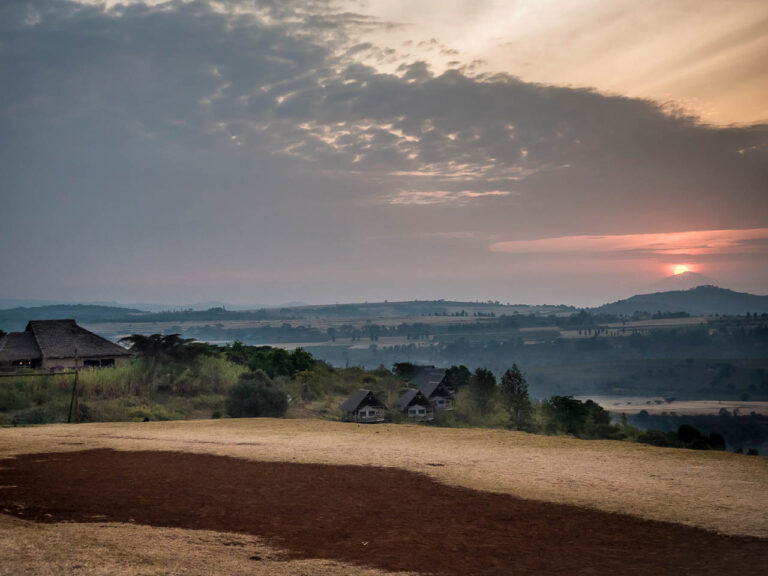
415 406
58 344
363 407
438 393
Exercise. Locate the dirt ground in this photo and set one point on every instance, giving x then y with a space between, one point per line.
376 517
725 493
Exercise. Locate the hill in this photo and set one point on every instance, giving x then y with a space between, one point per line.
15 319
684 281
702 300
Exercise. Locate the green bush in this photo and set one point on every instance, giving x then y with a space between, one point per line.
13 396
658 438
716 441
255 396
687 434
208 402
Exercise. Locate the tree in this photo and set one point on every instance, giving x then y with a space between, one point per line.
254 396
158 347
171 352
456 377
301 361
482 386
687 434
584 419
274 361
404 370
514 397
564 414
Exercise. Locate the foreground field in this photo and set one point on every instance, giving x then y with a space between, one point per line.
718 492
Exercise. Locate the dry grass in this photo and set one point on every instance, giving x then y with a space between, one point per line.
718 491
107 549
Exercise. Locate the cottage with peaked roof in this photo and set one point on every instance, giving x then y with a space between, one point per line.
439 394
415 406
363 407
58 344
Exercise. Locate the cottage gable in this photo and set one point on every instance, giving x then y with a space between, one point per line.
415 406
439 394
363 406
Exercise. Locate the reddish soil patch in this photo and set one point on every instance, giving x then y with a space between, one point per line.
381 517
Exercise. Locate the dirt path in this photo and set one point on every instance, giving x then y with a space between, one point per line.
380 517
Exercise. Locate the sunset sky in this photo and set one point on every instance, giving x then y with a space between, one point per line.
264 152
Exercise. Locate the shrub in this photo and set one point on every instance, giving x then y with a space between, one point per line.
583 419
13 397
658 438
255 396
716 441
699 444
687 434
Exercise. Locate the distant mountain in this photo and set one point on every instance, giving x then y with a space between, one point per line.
703 300
15 319
6 303
684 281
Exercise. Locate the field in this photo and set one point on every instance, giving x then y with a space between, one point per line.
658 405
720 498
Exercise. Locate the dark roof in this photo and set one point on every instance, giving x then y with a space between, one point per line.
431 388
65 339
359 398
427 375
19 346
411 396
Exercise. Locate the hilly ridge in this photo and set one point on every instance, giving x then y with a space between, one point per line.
702 300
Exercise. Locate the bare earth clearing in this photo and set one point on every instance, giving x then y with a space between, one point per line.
331 512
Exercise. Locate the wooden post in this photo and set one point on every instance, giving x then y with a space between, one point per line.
74 402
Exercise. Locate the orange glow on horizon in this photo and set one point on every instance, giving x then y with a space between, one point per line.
680 269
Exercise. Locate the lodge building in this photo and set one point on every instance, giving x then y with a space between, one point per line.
58 345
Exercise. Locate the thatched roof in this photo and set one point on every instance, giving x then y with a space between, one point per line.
428 375
435 389
19 346
65 339
410 398
52 339
359 398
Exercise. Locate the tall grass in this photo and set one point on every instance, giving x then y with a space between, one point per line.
132 391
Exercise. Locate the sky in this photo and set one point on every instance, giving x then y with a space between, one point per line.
265 152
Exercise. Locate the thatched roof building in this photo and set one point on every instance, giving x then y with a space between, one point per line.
52 344
439 394
416 406
363 406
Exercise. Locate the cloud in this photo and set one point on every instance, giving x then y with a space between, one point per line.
692 243
428 197
139 141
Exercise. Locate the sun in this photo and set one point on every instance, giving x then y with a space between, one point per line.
680 269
